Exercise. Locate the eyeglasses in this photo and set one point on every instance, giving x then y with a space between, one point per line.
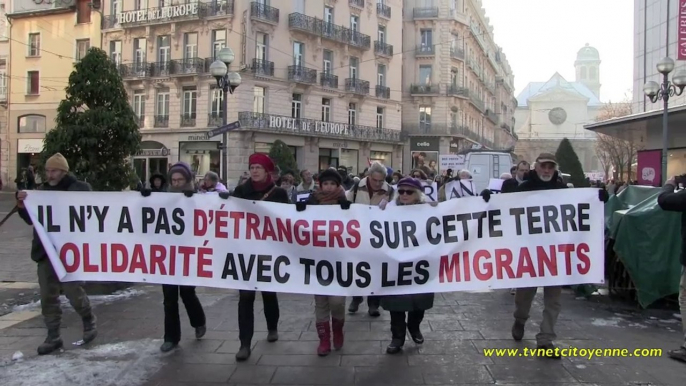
416 176
405 192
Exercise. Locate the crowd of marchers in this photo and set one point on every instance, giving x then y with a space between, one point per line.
378 186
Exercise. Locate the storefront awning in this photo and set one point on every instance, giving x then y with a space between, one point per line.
636 127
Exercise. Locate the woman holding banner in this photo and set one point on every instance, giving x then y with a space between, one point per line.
329 310
409 193
259 187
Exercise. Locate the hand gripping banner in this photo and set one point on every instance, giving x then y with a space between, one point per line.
516 240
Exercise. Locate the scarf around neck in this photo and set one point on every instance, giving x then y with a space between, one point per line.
264 185
330 197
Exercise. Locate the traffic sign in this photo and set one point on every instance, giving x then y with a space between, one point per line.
224 129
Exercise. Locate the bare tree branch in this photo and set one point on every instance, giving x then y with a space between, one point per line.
615 153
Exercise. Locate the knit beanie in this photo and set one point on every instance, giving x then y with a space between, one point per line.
57 162
183 168
330 175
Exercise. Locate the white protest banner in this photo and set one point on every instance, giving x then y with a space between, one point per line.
459 189
495 184
303 197
430 191
515 240
451 161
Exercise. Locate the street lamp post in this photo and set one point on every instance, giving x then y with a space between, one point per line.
227 82
664 91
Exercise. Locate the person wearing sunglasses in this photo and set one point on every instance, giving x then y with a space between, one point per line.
407 311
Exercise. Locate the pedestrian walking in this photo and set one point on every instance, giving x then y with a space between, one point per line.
58 179
259 187
181 178
676 202
329 310
371 190
407 311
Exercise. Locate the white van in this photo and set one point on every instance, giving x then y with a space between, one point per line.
484 165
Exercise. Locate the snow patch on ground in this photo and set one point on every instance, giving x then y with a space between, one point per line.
608 322
95 299
121 364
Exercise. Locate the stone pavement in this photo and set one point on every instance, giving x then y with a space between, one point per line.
457 329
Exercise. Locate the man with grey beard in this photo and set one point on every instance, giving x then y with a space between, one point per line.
543 177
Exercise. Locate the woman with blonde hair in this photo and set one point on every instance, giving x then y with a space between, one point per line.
407 311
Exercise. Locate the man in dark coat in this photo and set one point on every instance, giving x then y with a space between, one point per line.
158 182
58 179
543 177
348 182
518 177
676 202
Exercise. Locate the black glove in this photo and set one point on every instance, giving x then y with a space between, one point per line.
188 193
300 206
345 204
486 194
146 192
224 195
603 195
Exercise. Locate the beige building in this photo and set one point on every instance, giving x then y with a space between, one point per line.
458 85
4 64
42 43
321 76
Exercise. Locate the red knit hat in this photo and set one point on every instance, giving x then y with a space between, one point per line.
262 160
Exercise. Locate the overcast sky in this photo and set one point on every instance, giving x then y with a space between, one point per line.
541 37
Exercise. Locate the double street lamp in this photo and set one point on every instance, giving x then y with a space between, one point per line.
227 82
664 91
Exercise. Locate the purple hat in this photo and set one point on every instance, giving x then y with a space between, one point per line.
411 183
183 168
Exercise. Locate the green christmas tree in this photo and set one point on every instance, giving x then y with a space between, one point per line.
95 128
283 157
569 163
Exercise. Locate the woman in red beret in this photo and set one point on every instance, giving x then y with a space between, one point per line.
259 187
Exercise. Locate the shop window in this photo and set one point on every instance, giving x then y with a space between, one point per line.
31 124
201 156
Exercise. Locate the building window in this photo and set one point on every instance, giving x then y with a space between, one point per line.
381 75
326 110
3 79
298 53
139 104
141 4
354 24
454 43
190 101
328 15
454 77
296 106
453 119
381 35
115 51
139 51
262 47
379 117
162 109
425 118
163 52
217 106
426 42
218 41
34 44
190 45
33 83
354 66
259 94
115 7
83 12
82 47
352 114
425 74
328 62
31 124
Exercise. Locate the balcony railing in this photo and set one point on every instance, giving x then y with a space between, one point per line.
492 116
215 119
3 94
306 127
382 48
188 66
356 3
455 90
383 10
262 67
328 80
457 53
161 121
357 86
161 69
330 31
173 13
300 74
421 89
425 12
383 92
134 70
188 120
264 12
477 102
425 50
140 120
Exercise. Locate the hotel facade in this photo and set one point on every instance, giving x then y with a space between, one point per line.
324 77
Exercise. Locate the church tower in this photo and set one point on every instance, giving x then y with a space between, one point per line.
587 67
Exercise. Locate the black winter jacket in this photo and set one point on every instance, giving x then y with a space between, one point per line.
248 192
70 184
533 182
675 202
